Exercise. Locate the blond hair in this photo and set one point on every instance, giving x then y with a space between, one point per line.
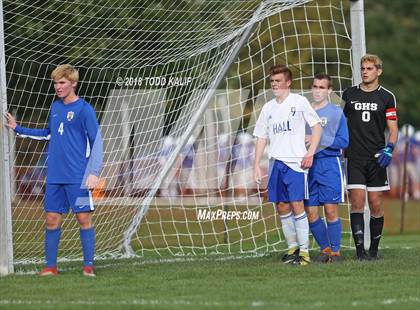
373 59
65 71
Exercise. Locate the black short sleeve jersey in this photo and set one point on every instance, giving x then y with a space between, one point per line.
367 114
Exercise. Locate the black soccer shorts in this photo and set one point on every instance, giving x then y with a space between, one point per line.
366 174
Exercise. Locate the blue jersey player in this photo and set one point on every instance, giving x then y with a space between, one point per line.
74 163
326 174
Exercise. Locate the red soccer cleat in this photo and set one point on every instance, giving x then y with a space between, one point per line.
88 271
49 271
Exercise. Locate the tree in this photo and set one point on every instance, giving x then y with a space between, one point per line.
392 32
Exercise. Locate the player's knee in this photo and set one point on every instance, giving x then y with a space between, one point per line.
53 220
357 205
331 217
376 210
283 208
313 218
331 213
297 207
312 213
375 206
85 220
357 199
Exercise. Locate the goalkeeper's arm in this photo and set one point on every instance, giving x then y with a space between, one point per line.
393 131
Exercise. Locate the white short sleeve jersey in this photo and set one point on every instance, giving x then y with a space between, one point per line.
283 124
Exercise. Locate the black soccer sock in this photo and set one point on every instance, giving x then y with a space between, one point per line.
358 229
376 225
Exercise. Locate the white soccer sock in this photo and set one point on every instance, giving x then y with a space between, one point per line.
302 231
289 230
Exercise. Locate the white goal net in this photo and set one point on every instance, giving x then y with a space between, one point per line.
177 87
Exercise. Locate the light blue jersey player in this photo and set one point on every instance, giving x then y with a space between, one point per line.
74 163
281 123
326 174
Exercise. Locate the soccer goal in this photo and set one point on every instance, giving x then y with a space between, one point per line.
177 87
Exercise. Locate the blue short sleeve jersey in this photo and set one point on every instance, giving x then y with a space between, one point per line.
335 134
75 142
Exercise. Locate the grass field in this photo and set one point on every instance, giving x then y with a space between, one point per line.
227 283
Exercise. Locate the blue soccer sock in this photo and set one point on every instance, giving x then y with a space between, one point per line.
319 231
52 239
334 233
87 238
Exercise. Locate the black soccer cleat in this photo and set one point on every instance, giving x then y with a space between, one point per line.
362 256
289 258
324 256
373 255
301 261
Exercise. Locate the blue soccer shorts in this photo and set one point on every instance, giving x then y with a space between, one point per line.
60 198
286 184
326 182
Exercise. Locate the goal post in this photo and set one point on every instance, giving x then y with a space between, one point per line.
357 21
177 87
6 248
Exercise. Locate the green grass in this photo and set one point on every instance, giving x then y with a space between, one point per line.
228 283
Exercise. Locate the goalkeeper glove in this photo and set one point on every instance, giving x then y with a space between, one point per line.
385 155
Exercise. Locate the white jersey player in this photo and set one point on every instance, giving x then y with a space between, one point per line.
282 123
